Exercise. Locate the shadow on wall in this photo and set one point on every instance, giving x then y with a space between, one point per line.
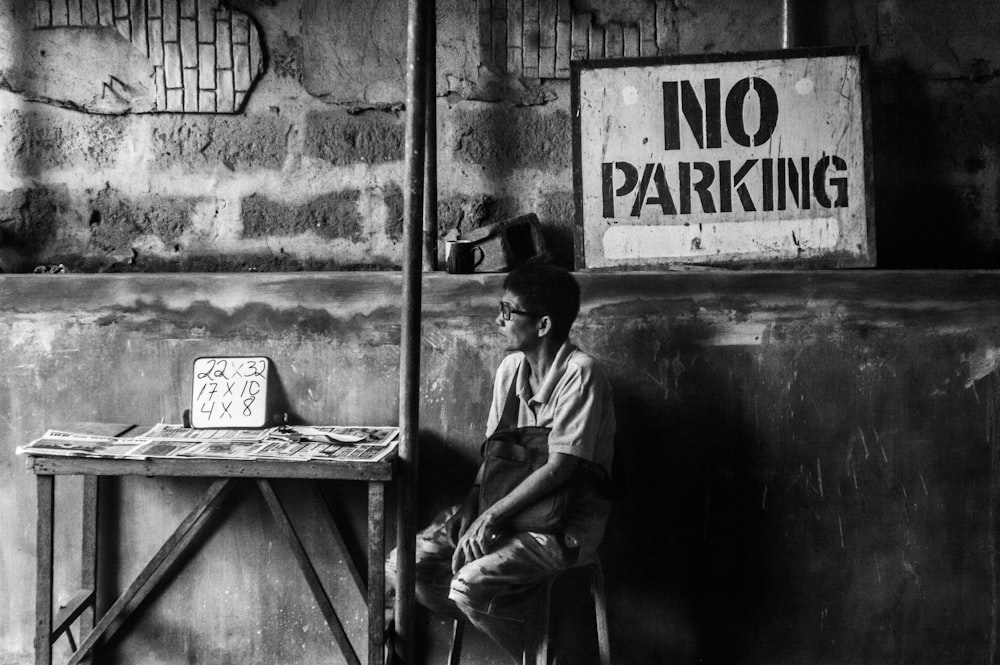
907 236
927 218
452 473
688 555
798 502
697 570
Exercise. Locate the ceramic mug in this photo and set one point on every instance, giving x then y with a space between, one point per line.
462 256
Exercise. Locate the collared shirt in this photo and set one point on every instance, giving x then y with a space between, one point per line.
575 402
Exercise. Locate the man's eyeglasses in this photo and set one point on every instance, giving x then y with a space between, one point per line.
506 309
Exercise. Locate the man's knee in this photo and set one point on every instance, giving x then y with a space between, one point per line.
467 591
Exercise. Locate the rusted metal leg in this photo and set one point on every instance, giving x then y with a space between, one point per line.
376 573
600 611
457 635
45 485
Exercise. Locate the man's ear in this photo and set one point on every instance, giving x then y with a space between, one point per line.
544 326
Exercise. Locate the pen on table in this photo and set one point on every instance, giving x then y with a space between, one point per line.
326 439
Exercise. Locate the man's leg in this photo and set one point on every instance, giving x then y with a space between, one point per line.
432 572
498 592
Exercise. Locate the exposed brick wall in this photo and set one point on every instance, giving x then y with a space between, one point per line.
537 39
338 138
329 216
205 56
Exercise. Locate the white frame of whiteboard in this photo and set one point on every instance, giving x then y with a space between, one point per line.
237 412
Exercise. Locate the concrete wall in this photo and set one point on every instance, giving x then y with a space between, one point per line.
309 173
811 459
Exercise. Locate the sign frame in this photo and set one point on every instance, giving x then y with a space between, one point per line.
584 227
242 415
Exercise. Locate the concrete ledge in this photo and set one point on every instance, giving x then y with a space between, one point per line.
965 298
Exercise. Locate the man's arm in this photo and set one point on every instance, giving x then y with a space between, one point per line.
462 520
485 529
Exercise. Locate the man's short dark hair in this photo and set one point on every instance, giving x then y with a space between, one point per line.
547 289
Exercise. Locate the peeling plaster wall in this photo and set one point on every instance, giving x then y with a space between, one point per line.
323 127
810 460
819 451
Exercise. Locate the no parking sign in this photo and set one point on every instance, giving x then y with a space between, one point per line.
721 159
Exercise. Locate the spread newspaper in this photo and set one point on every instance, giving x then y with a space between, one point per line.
329 443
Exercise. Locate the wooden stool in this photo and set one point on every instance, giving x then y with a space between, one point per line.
537 650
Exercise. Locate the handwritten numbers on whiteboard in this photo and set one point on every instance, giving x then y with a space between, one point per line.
229 392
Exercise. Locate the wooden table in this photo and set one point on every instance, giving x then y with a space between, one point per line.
227 474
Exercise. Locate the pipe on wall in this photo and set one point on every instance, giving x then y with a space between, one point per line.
430 162
789 17
409 348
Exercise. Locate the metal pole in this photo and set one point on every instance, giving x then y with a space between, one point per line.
409 347
430 167
789 16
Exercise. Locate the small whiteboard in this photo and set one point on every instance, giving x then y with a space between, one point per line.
229 392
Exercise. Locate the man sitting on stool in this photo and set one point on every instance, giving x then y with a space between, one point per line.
471 560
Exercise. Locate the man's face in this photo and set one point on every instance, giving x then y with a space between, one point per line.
520 333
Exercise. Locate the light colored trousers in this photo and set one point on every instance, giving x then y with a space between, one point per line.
498 593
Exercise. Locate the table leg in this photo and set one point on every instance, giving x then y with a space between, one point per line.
43 573
88 563
376 573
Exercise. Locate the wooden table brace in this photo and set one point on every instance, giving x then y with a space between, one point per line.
312 579
175 547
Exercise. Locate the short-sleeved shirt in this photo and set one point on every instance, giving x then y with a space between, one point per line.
575 403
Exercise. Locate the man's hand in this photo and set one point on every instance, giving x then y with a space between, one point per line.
483 533
477 541
460 522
